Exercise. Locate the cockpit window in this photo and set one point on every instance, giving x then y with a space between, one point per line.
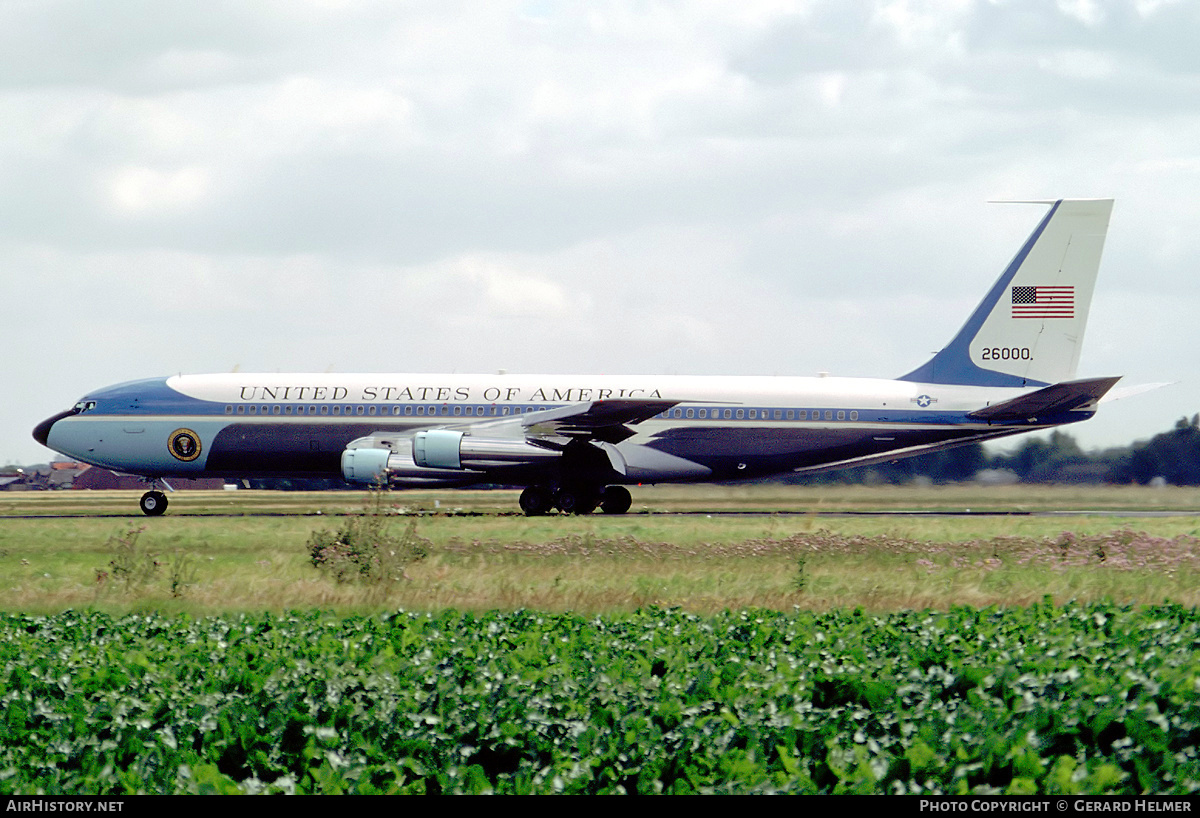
85 406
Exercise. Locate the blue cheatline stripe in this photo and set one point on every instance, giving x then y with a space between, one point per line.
907 418
953 365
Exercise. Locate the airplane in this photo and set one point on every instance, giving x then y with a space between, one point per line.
575 442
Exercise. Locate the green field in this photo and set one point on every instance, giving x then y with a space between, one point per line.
833 650
482 556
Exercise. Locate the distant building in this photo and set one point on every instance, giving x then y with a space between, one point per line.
67 475
96 478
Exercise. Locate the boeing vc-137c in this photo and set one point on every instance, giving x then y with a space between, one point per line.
575 442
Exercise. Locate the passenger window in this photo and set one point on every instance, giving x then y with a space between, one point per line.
841 414
741 413
691 413
828 414
854 415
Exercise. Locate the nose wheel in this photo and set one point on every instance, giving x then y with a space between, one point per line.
153 503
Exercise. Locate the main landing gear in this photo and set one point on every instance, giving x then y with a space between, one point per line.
538 500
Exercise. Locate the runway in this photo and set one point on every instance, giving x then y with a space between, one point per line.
882 513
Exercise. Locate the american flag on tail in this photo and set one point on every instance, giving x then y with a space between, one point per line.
1043 301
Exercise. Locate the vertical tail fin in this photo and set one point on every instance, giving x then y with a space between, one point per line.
1028 330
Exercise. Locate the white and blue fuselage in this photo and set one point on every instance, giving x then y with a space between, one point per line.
716 428
572 439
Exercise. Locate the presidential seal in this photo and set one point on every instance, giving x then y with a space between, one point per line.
184 444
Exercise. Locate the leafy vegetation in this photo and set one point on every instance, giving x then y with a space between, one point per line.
365 549
133 566
1049 699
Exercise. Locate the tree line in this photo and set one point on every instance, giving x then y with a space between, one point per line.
1173 456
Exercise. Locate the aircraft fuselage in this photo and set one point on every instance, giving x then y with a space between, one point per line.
241 426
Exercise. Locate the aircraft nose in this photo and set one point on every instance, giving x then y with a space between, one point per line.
41 432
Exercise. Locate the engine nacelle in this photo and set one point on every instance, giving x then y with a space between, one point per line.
375 464
365 465
450 449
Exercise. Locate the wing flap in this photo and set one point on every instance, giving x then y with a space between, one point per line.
599 414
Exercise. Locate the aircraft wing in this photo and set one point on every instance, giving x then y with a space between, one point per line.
602 420
516 440
598 414
1051 400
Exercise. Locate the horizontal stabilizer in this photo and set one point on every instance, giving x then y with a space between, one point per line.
1052 400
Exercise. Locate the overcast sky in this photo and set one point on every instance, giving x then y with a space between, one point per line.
751 187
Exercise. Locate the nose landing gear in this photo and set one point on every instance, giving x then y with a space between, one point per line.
153 503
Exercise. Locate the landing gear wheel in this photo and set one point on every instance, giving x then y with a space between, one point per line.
536 501
153 503
576 501
615 500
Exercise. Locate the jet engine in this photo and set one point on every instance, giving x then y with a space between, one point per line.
374 461
435 457
450 449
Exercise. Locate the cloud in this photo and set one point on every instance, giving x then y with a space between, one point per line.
774 186
138 190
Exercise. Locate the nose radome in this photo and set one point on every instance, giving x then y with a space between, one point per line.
41 432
